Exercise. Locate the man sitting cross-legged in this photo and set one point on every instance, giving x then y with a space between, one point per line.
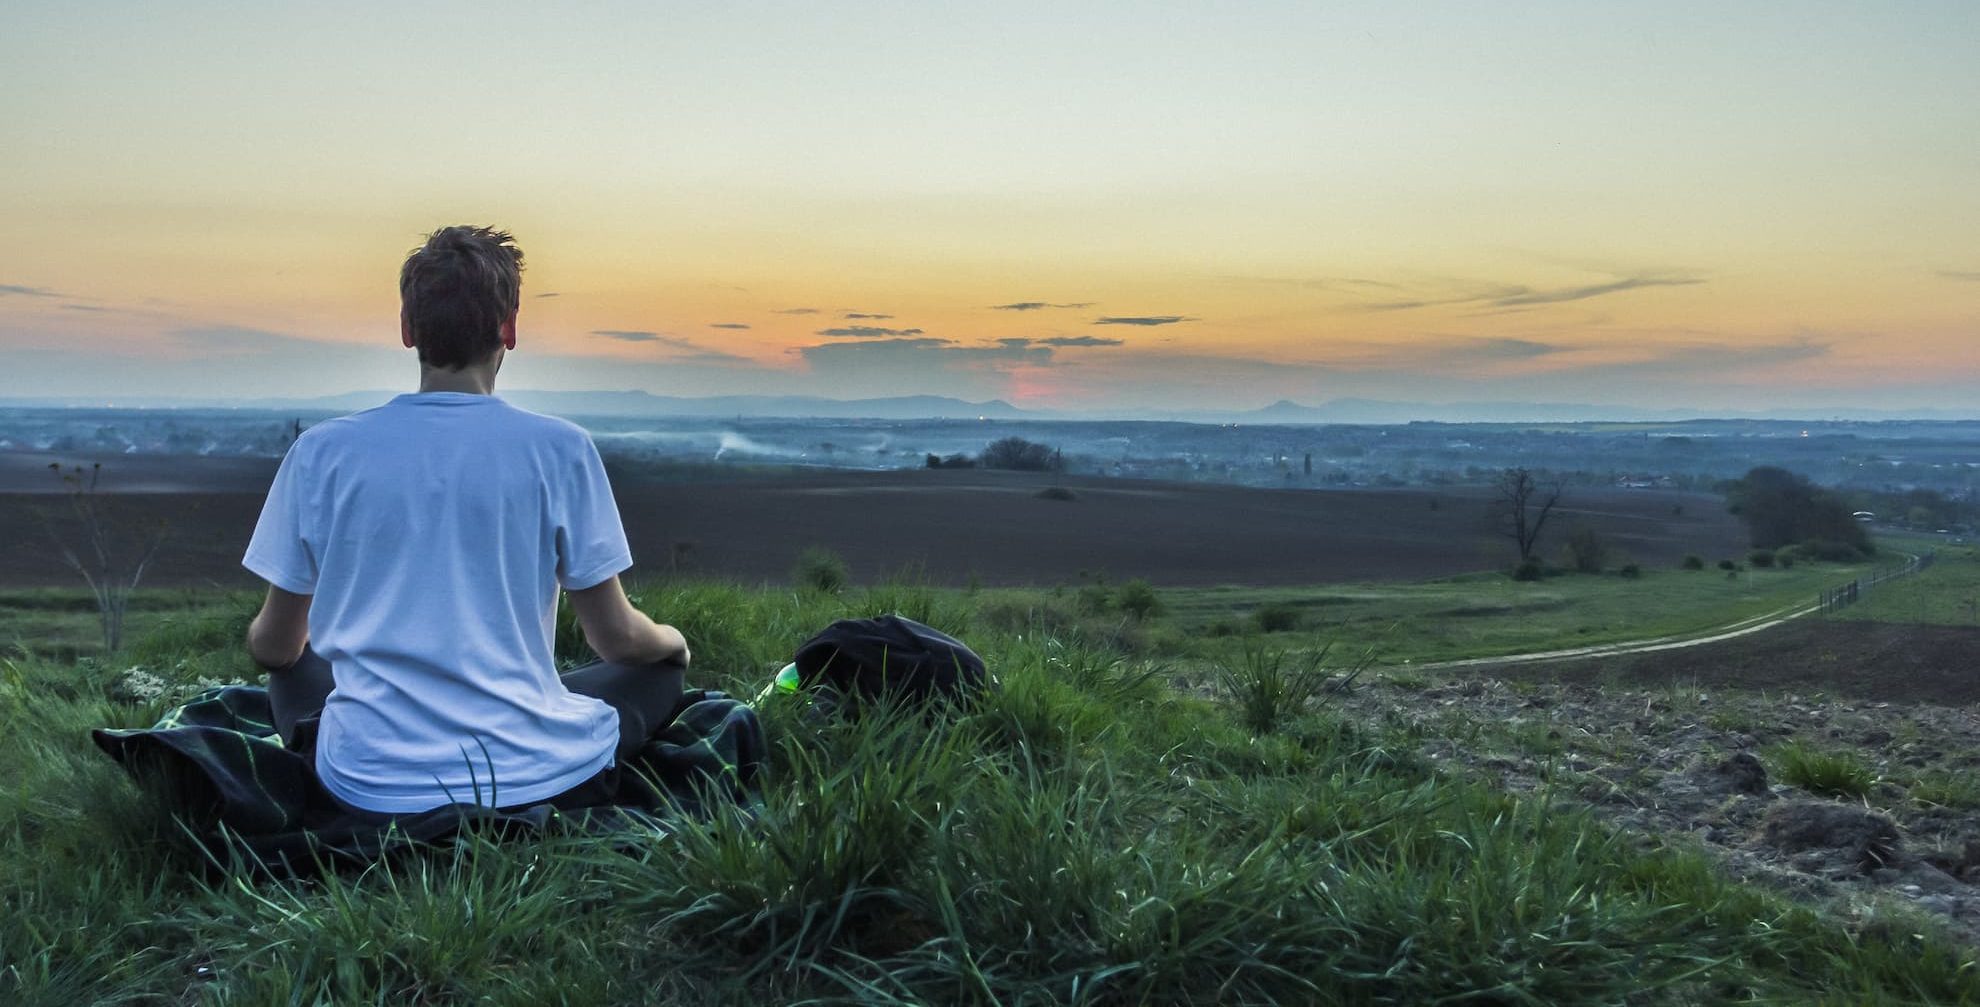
414 554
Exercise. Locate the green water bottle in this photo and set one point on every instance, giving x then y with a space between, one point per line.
785 684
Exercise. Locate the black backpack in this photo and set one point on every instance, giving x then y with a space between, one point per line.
891 659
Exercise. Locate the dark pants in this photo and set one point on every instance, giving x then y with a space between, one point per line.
646 695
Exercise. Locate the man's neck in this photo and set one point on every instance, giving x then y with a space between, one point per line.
471 380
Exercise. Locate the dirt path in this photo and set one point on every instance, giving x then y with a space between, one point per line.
1730 631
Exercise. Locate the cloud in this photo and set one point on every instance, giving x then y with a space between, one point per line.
691 351
1512 349
553 293
20 291
1515 296
797 311
868 332
727 325
83 307
1349 285
1142 320
234 339
1082 341
860 314
1038 305
1711 360
1527 296
1962 275
927 350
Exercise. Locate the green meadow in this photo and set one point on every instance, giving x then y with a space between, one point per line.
1088 835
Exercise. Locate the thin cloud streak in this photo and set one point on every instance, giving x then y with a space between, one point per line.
1522 296
861 314
1038 305
692 352
1142 320
21 291
727 325
1960 275
867 332
1593 290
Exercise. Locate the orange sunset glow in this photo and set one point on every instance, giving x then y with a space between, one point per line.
1107 209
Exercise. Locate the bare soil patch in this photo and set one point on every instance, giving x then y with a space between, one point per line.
1879 661
952 527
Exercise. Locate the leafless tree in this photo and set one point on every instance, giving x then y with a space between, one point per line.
110 582
1525 504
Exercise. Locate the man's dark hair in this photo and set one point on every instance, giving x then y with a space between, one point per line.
457 289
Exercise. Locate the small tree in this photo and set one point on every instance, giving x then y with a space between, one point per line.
110 582
1525 505
1022 455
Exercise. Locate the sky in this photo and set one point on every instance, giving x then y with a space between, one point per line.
1091 207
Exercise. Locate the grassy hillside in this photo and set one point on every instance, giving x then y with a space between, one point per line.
1091 835
1947 593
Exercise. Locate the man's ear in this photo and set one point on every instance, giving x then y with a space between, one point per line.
509 333
405 330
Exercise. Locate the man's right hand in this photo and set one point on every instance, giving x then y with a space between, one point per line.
620 633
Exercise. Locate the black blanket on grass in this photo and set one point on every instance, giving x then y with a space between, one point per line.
243 796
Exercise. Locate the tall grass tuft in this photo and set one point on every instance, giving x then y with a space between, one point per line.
1269 684
1831 774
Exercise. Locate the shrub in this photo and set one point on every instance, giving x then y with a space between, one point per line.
1760 559
821 570
1585 550
1828 551
1784 558
1057 493
1276 617
1630 571
1693 562
1831 774
1223 627
1095 598
1137 598
1529 569
1728 566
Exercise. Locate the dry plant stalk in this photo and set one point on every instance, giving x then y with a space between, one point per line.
110 584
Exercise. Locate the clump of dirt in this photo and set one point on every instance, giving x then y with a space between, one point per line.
1863 838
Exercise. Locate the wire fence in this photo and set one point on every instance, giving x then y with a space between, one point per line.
1842 596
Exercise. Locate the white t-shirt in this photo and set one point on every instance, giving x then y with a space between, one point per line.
434 532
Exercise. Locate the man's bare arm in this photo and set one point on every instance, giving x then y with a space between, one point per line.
620 633
280 630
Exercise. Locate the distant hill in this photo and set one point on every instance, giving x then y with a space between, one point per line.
1379 412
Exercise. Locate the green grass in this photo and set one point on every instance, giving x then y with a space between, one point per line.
1828 773
1481 615
1947 593
1946 788
61 623
1087 836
